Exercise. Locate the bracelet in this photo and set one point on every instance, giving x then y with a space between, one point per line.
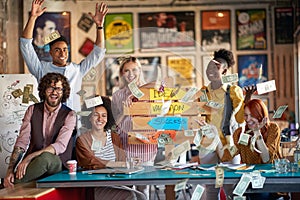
99 27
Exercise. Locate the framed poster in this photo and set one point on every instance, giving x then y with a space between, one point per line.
252 69
284 25
45 25
150 66
182 69
119 33
167 30
251 30
215 30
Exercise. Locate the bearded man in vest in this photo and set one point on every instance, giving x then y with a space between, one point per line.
45 141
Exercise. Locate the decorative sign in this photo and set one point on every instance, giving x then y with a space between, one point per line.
251 29
169 123
175 108
85 23
118 33
168 94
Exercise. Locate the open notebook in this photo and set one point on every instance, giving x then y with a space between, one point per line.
117 170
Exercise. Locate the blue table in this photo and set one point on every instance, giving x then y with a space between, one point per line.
289 182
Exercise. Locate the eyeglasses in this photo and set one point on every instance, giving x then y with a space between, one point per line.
59 90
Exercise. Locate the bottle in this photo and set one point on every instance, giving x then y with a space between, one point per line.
297 157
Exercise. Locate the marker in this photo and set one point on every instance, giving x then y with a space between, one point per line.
114 176
182 172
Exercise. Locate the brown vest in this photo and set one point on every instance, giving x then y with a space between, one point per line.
37 139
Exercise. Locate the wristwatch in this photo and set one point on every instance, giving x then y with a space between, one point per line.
259 137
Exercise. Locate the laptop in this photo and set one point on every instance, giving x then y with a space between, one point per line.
116 170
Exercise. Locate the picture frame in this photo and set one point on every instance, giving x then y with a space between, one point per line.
182 69
252 69
251 29
119 33
159 31
86 47
215 29
47 23
284 25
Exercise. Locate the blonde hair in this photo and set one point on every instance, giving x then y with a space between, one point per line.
127 59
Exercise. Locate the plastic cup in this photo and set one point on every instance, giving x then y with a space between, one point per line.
72 166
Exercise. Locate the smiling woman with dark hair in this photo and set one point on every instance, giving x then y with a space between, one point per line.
99 148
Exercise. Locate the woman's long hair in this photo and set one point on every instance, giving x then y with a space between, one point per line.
123 61
259 111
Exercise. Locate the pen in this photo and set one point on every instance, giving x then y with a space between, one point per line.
182 172
114 176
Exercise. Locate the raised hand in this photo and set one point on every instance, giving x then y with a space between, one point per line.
100 13
36 8
249 90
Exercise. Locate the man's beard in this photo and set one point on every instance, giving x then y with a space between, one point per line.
54 103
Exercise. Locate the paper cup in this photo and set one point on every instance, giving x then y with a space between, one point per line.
72 165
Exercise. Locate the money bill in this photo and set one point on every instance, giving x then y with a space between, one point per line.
33 98
219 177
232 150
84 113
207 131
189 94
51 37
214 105
26 91
198 192
244 139
257 181
242 185
180 185
181 148
141 137
253 145
239 198
165 107
197 138
135 90
203 98
17 93
93 102
266 87
230 78
279 111
188 133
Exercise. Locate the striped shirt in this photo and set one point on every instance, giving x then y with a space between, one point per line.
106 152
146 152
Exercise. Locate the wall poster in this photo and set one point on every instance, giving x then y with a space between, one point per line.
167 30
46 24
182 69
151 67
284 25
18 91
251 29
252 69
215 30
119 33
